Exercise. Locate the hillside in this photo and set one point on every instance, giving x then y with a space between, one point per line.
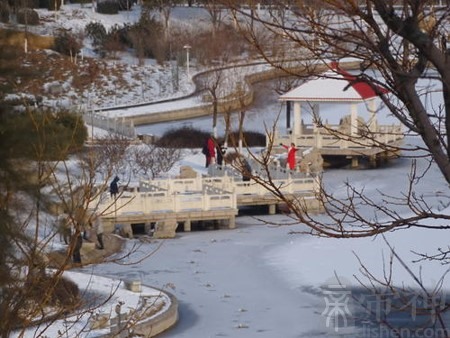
84 81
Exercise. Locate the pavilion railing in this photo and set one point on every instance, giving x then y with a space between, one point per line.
326 138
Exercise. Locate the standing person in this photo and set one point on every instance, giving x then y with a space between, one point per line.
114 187
98 227
64 225
76 255
205 152
209 150
220 150
291 160
246 169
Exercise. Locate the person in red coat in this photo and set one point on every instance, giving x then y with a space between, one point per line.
210 151
291 160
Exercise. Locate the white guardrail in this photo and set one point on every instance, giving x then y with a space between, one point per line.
385 134
165 201
289 185
198 194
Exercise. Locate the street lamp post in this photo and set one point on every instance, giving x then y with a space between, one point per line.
92 120
187 47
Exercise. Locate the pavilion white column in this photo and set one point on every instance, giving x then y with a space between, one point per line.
353 119
316 116
297 119
373 123
316 129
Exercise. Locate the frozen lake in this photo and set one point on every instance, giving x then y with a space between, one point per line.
259 280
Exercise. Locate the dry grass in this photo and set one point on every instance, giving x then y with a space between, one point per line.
113 244
17 39
42 67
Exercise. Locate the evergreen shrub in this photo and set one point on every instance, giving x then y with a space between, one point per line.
189 137
126 5
5 10
108 7
81 1
27 16
43 134
29 3
97 32
184 137
53 5
67 44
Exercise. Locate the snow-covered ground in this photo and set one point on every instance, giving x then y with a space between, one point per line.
146 80
259 280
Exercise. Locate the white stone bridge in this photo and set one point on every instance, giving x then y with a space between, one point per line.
169 202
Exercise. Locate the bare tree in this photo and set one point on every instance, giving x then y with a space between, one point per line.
216 13
404 45
153 160
110 153
399 46
213 85
39 183
28 290
164 8
402 53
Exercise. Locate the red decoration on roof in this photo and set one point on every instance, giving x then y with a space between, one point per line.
365 90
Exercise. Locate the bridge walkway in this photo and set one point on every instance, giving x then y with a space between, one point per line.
169 202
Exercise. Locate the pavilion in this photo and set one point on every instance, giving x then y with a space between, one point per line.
353 137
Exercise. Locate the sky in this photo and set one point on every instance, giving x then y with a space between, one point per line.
259 280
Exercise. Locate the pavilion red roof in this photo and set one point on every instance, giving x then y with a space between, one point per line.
337 85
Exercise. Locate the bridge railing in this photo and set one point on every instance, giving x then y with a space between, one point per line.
174 184
273 169
165 201
200 193
289 185
223 170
